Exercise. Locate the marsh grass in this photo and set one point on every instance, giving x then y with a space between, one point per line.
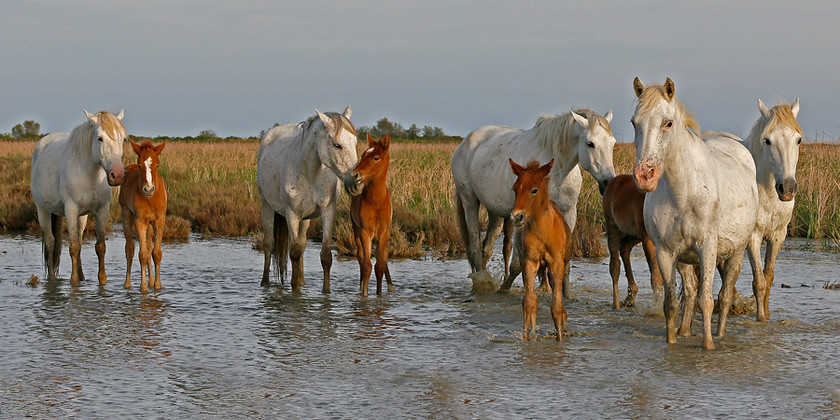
212 190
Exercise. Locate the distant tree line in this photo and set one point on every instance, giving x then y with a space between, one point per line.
27 130
396 130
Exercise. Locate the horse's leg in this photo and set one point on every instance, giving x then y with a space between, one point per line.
157 253
297 233
670 304
708 257
613 245
102 217
507 231
75 227
773 247
128 232
689 297
365 265
149 244
650 256
494 228
632 289
48 241
529 301
729 274
473 232
328 222
267 218
558 312
759 283
382 262
141 226
515 269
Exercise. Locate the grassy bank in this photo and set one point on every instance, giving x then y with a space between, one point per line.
212 190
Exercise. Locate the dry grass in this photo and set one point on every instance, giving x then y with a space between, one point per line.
212 189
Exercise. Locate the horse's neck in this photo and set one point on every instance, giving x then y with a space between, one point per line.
309 156
687 166
377 186
763 174
84 162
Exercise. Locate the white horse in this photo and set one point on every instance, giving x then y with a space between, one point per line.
702 202
774 144
482 174
72 175
300 169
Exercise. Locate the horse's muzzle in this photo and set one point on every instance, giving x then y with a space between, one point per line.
786 189
116 176
518 219
148 190
352 187
646 177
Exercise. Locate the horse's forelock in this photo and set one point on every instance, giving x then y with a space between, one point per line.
782 114
651 94
595 119
111 125
338 119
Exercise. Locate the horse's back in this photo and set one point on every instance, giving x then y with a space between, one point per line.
277 136
738 192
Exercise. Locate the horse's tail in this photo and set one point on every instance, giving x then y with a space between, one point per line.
281 246
462 220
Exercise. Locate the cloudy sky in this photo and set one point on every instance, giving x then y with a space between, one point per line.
237 67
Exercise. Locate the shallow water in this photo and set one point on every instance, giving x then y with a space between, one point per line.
212 343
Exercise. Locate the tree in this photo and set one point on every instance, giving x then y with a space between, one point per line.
207 135
29 129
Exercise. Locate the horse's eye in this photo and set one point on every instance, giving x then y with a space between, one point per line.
100 139
534 191
337 146
767 141
590 144
667 125
376 158
799 141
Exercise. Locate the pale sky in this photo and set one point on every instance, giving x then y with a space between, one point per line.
237 67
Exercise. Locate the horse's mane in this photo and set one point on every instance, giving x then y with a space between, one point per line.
82 136
338 119
649 96
555 131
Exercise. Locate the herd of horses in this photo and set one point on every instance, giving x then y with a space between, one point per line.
696 201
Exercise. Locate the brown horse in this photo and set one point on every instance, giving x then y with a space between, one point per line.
143 202
543 239
625 223
370 212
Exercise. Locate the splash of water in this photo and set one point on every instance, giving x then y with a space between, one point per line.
485 282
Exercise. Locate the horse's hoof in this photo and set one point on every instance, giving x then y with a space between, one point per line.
391 288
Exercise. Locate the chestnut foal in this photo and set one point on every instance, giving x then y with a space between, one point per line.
625 223
143 202
370 212
543 239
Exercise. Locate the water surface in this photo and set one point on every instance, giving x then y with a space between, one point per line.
212 343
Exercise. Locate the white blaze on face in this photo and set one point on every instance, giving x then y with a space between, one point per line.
148 164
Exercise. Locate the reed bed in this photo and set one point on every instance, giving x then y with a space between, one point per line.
212 190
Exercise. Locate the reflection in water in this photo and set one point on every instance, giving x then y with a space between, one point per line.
213 343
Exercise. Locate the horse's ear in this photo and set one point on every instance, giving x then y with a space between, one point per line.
385 142
159 148
327 122
608 116
347 111
135 147
638 87
371 141
669 88
794 107
92 117
580 119
763 109
515 167
545 169
121 114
